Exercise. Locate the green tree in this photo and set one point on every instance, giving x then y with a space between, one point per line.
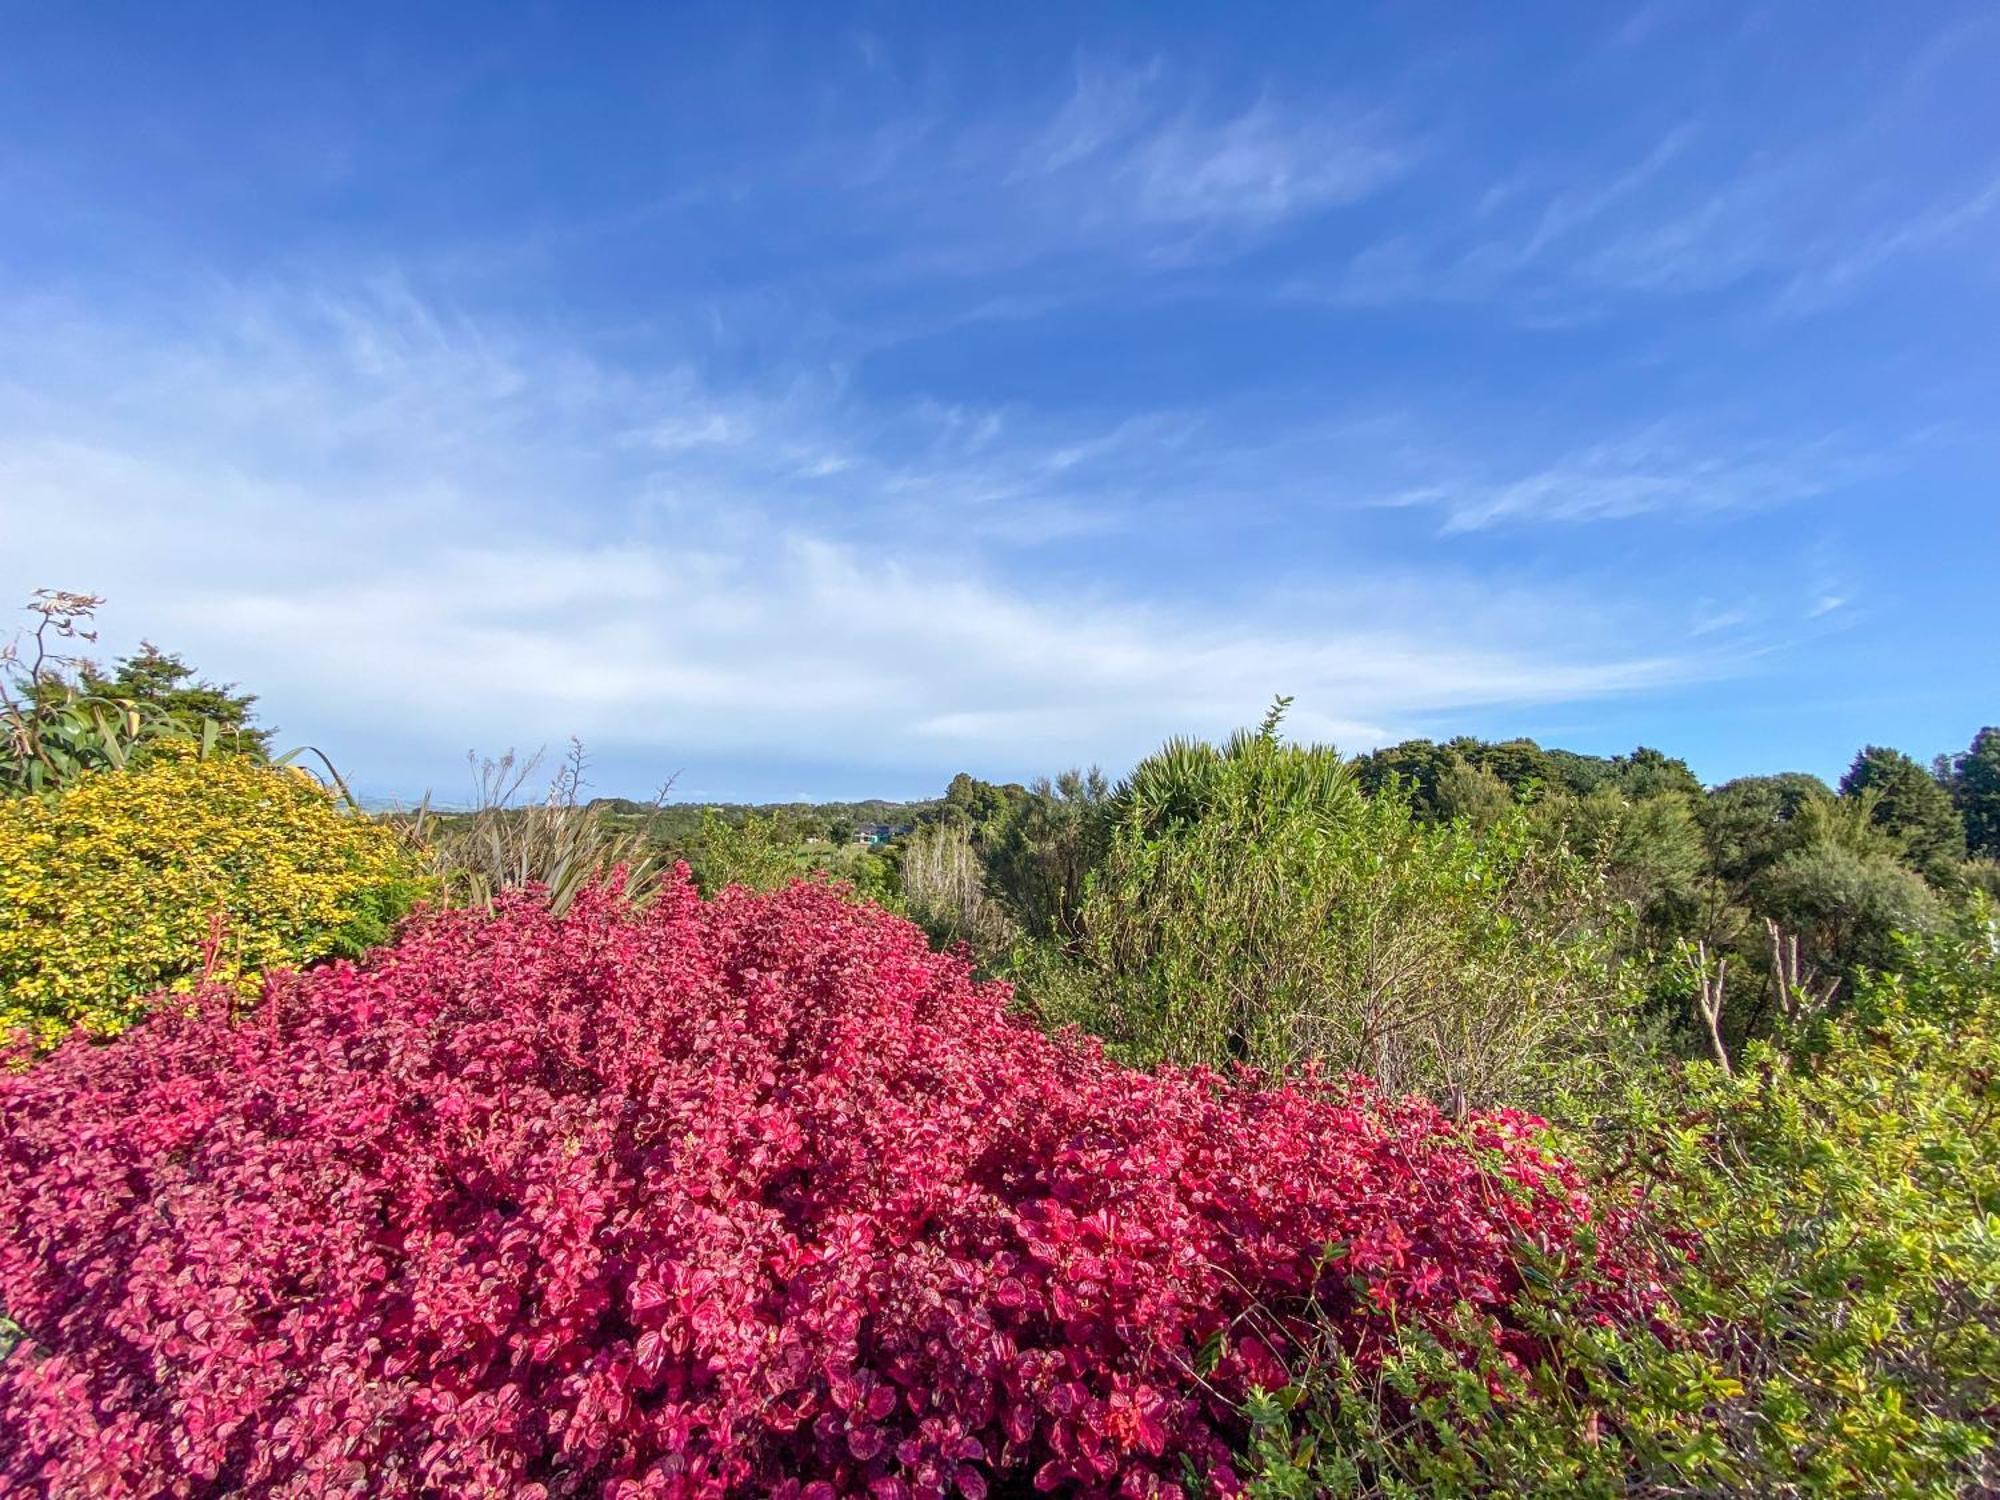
1419 765
1475 794
158 679
1521 765
1974 779
980 807
1912 806
1848 906
1524 767
1751 823
1647 772
1581 774
1652 851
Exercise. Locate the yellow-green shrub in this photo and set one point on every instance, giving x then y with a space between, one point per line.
129 882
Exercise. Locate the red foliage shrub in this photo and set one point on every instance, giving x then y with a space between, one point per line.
755 1196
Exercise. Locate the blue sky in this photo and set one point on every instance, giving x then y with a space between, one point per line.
821 400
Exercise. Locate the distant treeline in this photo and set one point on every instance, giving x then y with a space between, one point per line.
676 823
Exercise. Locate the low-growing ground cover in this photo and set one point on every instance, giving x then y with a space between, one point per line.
749 1196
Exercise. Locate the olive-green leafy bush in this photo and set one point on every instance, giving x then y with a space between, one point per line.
1255 906
1836 1331
751 851
767 851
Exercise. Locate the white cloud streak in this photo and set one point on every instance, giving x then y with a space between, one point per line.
1122 140
1805 220
1134 164
414 533
1653 472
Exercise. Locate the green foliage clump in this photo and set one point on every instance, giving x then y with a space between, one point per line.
1843 873
1435 774
129 882
750 851
163 686
765 851
61 718
1040 864
1752 822
1651 849
1850 907
977 806
1835 1331
1254 906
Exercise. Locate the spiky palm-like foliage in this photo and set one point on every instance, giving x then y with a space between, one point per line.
1254 779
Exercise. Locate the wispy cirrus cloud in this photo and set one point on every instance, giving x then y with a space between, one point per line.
1144 148
1152 163
364 507
1804 217
1657 471
1933 226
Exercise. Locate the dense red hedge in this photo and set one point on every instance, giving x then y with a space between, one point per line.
756 1196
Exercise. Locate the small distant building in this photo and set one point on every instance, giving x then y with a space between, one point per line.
878 833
